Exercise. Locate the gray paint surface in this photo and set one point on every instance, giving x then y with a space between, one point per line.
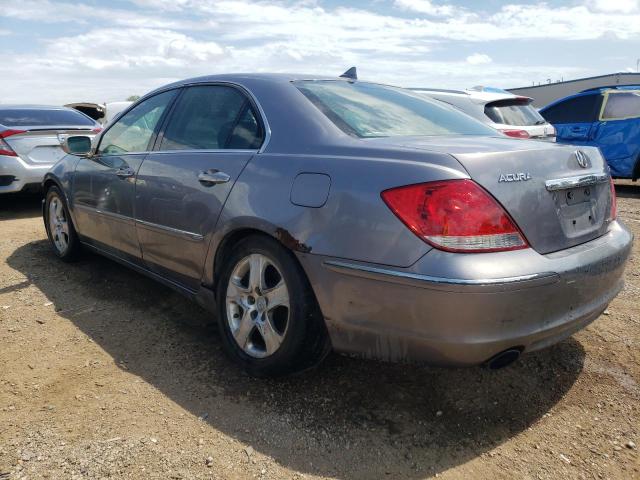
383 291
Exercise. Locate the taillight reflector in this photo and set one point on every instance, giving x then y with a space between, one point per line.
456 216
5 149
613 214
516 133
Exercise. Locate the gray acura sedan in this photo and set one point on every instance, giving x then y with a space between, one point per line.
313 214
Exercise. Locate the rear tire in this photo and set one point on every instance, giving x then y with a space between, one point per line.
269 319
60 229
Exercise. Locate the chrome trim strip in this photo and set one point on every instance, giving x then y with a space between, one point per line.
336 265
182 233
203 151
115 216
573 182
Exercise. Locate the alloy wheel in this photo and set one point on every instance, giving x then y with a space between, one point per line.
58 224
257 305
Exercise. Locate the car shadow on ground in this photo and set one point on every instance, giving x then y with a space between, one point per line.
628 190
349 418
20 205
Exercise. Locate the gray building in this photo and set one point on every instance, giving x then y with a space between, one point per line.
547 93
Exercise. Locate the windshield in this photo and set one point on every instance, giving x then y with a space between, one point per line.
515 112
31 117
368 110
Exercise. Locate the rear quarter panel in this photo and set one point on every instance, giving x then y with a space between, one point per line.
354 223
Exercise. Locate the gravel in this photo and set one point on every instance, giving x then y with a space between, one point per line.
106 374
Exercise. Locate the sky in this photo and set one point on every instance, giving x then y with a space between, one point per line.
56 52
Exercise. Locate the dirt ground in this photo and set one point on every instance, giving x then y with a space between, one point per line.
106 374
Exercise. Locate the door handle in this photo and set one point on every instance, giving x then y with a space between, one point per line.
213 177
125 172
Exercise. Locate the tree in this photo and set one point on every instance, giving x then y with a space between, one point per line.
133 98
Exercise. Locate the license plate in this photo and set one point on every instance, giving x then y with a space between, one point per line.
579 195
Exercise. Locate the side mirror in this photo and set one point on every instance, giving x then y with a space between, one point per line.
77 145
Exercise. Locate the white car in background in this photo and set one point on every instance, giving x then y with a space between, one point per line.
102 113
511 114
31 138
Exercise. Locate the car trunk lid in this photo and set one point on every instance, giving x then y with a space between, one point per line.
555 200
38 146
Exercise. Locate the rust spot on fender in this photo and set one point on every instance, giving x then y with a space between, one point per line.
289 241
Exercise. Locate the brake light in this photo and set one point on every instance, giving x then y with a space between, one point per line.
516 133
613 214
5 149
456 216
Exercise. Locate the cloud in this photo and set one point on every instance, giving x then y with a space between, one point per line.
46 11
479 59
130 48
121 51
425 6
615 6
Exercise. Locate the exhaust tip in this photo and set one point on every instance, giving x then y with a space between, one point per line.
503 359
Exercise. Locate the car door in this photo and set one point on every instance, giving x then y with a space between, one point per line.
618 133
575 118
208 138
104 183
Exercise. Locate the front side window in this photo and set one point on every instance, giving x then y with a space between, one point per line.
368 110
514 112
133 131
582 109
622 105
212 117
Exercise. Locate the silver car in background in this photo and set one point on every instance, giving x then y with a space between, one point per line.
510 114
30 142
313 213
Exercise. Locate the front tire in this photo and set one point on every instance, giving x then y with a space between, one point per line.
270 322
60 229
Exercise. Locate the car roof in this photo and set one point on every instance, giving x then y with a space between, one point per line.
611 87
244 78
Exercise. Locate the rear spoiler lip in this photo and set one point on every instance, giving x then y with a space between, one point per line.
49 128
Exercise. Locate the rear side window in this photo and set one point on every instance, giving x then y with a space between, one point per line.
583 109
212 117
513 112
26 117
133 131
622 105
369 110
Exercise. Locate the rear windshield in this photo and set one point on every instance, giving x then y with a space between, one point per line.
27 117
513 112
368 110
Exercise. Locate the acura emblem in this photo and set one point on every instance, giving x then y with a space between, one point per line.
582 159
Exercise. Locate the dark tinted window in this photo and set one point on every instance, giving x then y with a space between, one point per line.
581 109
370 110
25 117
133 131
212 117
513 112
622 105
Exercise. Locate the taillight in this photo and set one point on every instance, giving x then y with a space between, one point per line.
613 214
456 216
516 133
96 130
5 149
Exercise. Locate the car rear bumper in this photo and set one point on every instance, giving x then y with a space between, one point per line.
457 310
16 174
